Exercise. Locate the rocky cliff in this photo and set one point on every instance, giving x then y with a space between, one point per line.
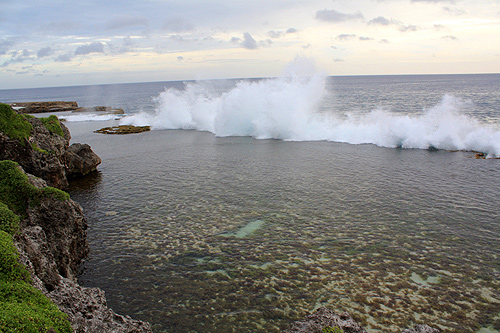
41 147
48 230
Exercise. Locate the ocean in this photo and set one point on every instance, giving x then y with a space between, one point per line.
253 202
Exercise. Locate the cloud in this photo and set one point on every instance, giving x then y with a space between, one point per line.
275 34
434 1
346 37
439 27
5 45
127 21
45 52
177 24
338 60
384 41
18 57
407 28
334 16
450 37
180 58
365 38
381 20
291 31
249 42
454 11
64 57
95 47
235 40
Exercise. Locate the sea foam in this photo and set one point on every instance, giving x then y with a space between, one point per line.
287 108
89 117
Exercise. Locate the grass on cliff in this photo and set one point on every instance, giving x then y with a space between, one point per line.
14 125
53 125
23 308
16 191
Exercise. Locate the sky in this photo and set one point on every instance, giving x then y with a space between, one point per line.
62 42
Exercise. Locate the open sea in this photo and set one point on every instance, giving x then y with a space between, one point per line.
253 202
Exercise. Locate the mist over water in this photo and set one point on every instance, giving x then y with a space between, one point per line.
295 108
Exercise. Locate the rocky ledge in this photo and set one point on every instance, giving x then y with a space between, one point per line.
59 106
325 320
123 129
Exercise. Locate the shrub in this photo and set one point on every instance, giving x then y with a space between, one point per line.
14 125
53 125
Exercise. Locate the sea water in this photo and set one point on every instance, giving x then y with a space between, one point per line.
255 201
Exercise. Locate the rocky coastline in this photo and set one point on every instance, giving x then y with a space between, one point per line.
48 230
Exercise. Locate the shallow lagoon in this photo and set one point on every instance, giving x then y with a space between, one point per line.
203 234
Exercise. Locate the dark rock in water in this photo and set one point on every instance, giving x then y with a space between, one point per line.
52 243
323 318
123 129
326 320
42 107
80 160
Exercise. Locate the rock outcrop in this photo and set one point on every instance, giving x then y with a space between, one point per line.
326 320
46 153
52 243
59 106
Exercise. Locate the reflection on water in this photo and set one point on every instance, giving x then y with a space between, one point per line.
204 234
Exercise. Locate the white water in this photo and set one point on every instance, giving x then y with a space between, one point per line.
89 117
287 108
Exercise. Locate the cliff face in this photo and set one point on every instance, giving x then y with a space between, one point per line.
41 147
49 229
52 243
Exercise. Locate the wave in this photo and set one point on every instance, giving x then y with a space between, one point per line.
287 108
90 117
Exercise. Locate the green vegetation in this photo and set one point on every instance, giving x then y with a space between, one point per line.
38 149
22 307
329 329
9 221
53 125
17 193
14 125
55 193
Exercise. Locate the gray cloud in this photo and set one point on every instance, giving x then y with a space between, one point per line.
450 37
334 16
95 47
338 60
5 45
454 11
249 42
64 57
235 40
407 28
18 57
291 31
45 52
439 26
381 20
127 21
384 41
275 34
177 24
346 37
365 38
180 58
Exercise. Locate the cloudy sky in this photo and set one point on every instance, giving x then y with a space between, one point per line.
62 42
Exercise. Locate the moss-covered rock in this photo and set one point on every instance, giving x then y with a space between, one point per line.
14 125
53 125
9 221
